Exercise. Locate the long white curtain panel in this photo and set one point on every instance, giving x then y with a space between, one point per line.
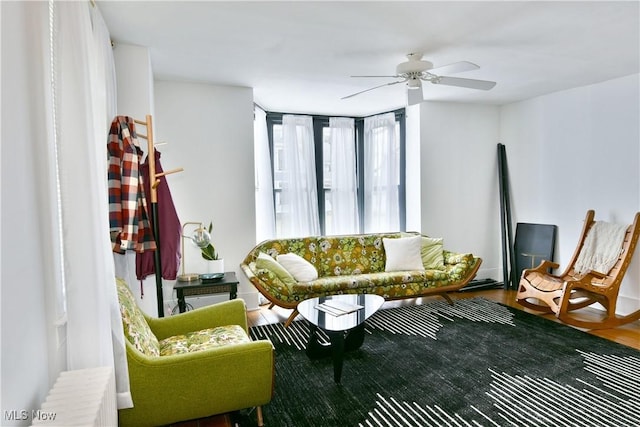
343 194
381 174
81 105
299 194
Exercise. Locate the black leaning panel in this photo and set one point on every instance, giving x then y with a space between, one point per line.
533 243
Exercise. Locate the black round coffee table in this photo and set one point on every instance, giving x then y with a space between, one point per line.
342 318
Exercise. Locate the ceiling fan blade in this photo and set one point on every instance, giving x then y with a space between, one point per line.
372 88
456 67
469 83
387 77
414 96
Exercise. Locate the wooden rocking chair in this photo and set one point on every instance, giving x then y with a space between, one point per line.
570 291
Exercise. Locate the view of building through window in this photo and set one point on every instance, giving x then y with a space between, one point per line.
326 178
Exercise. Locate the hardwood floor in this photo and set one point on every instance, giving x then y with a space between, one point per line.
628 334
223 420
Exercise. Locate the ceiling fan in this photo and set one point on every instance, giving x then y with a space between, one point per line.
416 70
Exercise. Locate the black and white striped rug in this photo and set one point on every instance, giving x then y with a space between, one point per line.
476 363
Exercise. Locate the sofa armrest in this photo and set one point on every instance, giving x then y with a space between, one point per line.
461 267
457 258
267 283
231 312
248 271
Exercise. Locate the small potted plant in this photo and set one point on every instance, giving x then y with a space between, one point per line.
209 253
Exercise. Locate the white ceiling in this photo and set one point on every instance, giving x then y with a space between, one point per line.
299 56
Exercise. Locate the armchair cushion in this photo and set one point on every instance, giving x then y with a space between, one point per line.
203 340
232 312
136 328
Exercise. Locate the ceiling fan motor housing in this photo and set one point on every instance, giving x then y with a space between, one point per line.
414 65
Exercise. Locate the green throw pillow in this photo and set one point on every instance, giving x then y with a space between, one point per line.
431 252
267 262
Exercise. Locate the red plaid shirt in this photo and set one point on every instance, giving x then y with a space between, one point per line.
128 216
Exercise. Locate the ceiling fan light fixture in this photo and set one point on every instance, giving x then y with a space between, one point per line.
414 83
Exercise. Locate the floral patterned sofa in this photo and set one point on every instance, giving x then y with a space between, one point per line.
354 264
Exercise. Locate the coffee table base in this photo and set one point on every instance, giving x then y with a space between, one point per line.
340 342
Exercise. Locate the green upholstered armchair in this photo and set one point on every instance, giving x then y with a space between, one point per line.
192 365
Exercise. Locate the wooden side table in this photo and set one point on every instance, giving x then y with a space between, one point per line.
229 283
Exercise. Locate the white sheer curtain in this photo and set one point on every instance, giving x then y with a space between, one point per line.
84 100
343 193
106 102
381 174
265 214
299 196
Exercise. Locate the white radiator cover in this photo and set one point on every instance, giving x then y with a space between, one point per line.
84 397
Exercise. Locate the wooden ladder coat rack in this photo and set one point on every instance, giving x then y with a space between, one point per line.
155 177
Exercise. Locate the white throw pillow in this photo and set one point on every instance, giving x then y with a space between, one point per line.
301 269
403 254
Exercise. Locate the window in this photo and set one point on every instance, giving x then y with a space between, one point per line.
326 179
277 151
340 177
332 185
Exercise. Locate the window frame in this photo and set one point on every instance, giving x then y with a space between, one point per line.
319 123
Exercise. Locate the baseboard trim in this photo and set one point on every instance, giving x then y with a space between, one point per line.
250 299
488 273
627 305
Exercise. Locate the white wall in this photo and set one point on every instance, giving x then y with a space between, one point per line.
30 355
414 210
209 131
576 150
459 180
567 152
134 79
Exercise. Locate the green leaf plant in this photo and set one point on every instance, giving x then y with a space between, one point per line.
209 252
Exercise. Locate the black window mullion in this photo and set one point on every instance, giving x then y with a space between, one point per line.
272 119
359 128
318 125
402 189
